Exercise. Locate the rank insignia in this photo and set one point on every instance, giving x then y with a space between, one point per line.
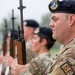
54 5
60 0
25 23
35 69
67 69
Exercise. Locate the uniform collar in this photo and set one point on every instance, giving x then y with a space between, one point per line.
70 44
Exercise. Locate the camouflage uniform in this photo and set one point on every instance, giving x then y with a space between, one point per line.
29 23
39 65
64 62
29 53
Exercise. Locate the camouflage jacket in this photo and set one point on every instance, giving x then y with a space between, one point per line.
29 53
64 62
39 65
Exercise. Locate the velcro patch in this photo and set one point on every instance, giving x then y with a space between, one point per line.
35 65
67 69
35 69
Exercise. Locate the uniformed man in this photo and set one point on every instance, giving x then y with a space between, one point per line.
63 26
29 26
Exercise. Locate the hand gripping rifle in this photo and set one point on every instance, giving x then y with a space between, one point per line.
21 48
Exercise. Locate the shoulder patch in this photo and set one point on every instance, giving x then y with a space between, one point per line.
67 69
35 68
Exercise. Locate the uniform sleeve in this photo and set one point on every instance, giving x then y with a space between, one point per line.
63 68
34 69
37 67
28 73
57 70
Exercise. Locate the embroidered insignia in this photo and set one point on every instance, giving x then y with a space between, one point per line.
25 23
60 0
9 33
67 69
35 69
54 5
37 30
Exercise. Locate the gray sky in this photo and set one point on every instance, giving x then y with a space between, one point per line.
34 8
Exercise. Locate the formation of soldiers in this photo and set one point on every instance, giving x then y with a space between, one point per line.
31 47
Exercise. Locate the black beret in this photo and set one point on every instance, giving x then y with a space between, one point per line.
31 23
64 6
44 31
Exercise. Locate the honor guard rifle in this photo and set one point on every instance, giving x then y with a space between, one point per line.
12 41
21 48
18 44
4 38
4 41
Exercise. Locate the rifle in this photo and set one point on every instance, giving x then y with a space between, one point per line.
11 43
4 46
4 39
21 48
12 50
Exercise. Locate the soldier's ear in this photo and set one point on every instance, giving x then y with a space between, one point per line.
44 42
72 19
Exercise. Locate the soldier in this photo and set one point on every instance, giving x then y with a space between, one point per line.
29 26
12 34
63 26
41 43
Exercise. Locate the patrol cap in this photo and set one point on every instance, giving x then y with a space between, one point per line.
44 31
31 23
62 6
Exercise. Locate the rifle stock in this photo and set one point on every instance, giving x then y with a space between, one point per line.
5 37
14 48
21 48
13 44
11 48
4 48
21 52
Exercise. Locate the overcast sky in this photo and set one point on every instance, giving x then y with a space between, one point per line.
34 8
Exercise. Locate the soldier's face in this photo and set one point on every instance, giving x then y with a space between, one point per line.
26 31
59 24
36 44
